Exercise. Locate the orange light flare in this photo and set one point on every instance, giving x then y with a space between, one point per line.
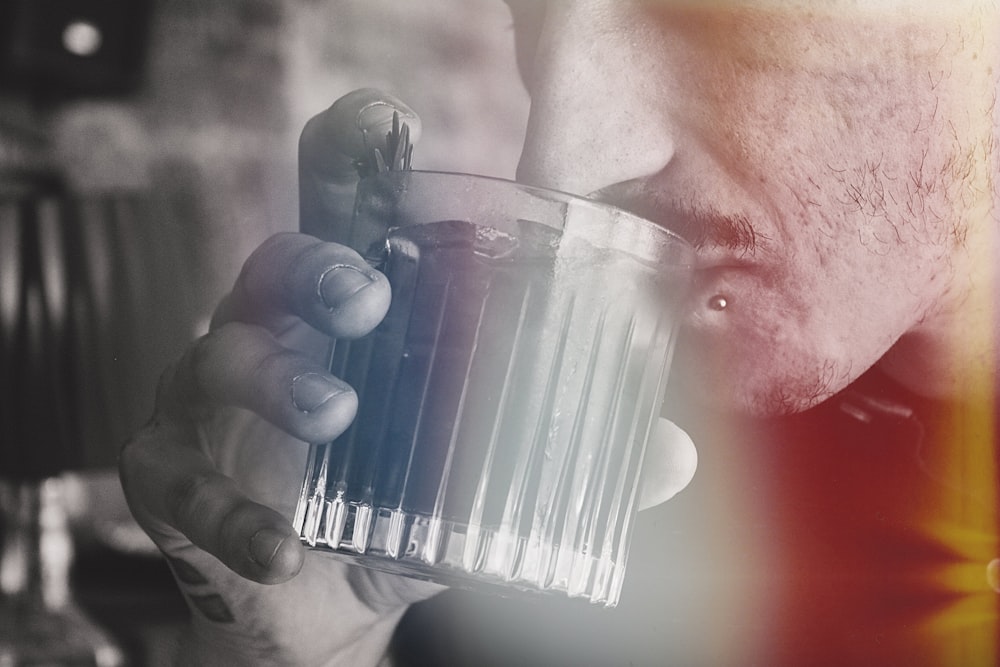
964 519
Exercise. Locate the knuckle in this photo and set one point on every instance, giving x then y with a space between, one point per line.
197 356
217 351
193 499
167 378
188 389
273 247
126 451
168 390
139 453
271 367
264 263
130 462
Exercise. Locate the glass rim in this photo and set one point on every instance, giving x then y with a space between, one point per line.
562 195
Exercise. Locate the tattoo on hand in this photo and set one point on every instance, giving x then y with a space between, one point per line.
211 605
186 573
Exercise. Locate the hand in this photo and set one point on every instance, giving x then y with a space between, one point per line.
213 477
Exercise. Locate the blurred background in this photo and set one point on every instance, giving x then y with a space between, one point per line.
146 147
193 163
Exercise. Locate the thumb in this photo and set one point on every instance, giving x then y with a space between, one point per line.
670 464
330 146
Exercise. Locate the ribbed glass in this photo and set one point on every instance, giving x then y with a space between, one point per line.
507 397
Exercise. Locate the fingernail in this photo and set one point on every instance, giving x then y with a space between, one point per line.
265 544
376 117
340 283
311 390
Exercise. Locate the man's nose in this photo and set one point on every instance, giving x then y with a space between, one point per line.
600 99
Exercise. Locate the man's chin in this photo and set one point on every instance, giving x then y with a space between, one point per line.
709 390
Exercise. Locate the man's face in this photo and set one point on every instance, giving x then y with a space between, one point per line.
828 158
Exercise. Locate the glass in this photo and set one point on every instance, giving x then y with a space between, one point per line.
507 397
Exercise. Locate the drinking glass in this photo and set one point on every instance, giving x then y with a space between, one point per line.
506 399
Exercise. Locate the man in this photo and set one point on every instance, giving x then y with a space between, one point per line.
836 167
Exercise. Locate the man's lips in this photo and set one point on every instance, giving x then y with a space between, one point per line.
725 240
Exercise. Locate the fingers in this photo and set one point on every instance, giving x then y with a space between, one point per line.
327 285
174 487
670 464
176 494
331 144
172 483
332 141
244 366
